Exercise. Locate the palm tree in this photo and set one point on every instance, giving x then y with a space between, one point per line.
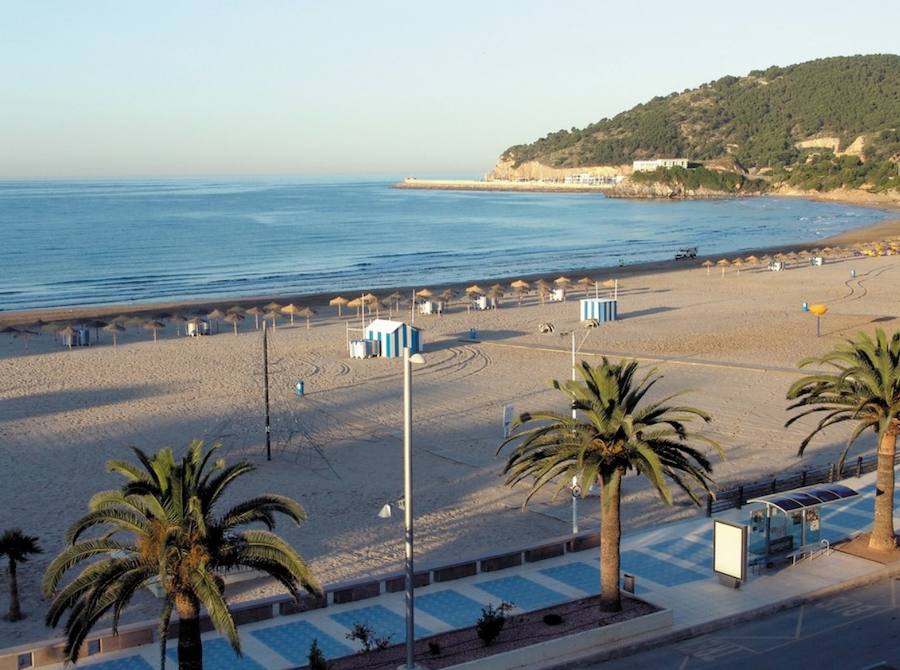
161 524
864 389
17 547
618 433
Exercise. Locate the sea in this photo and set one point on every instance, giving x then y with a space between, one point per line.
95 242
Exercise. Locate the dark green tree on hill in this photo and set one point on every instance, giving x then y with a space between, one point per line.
756 120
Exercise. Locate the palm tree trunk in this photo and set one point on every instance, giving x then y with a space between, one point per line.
610 537
882 537
15 610
190 648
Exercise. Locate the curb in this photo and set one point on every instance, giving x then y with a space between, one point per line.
654 641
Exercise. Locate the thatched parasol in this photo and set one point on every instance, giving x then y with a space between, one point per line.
424 293
255 312
562 281
751 260
307 312
69 332
234 319
447 295
723 263
495 292
369 298
215 315
114 328
272 315
543 292
737 262
179 319
272 307
155 326
520 284
290 309
96 324
585 283
338 302
235 309
395 298
708 265
476 289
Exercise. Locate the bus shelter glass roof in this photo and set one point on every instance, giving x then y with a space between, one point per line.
810 496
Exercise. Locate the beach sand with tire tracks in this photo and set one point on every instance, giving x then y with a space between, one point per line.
733 341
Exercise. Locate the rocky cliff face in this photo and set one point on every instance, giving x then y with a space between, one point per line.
532 170
660 191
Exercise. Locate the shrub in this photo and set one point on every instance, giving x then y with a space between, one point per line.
491 622
316 657
365 635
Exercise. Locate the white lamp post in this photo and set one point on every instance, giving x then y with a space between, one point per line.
408 360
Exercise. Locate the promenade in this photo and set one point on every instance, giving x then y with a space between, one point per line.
671 564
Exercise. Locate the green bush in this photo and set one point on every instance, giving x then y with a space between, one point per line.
316 657
491 622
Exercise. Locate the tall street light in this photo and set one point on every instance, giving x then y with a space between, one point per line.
408 360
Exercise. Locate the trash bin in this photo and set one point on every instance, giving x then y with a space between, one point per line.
473 334
804 307
852 274
300 388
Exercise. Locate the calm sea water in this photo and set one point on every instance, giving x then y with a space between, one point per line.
93 242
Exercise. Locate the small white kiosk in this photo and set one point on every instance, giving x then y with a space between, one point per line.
392 336
196 327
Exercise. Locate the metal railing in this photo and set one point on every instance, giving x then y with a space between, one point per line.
737 497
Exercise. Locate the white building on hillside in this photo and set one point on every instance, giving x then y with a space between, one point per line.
649 166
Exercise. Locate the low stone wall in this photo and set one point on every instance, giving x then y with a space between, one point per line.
46 653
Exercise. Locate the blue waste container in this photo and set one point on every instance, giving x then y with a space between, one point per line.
804 307
473 334
300 388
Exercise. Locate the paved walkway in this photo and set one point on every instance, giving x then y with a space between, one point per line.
672 564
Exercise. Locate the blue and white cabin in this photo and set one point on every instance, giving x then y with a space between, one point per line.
601 309
393 336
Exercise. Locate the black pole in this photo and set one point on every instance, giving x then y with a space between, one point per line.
266 386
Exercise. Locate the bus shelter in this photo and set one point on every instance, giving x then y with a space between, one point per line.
791 522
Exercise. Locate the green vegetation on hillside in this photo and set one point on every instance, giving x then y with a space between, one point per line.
755 121
693 179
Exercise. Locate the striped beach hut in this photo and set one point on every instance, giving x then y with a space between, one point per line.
601 309
393 336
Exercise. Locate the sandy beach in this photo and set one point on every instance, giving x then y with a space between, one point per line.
732 340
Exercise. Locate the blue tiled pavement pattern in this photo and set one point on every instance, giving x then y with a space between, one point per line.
658 570
383 621
578 575
293 640
218 655
449 606
521 592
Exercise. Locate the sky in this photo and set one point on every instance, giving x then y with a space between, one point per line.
267 87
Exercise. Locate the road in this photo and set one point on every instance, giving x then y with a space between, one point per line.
854 630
